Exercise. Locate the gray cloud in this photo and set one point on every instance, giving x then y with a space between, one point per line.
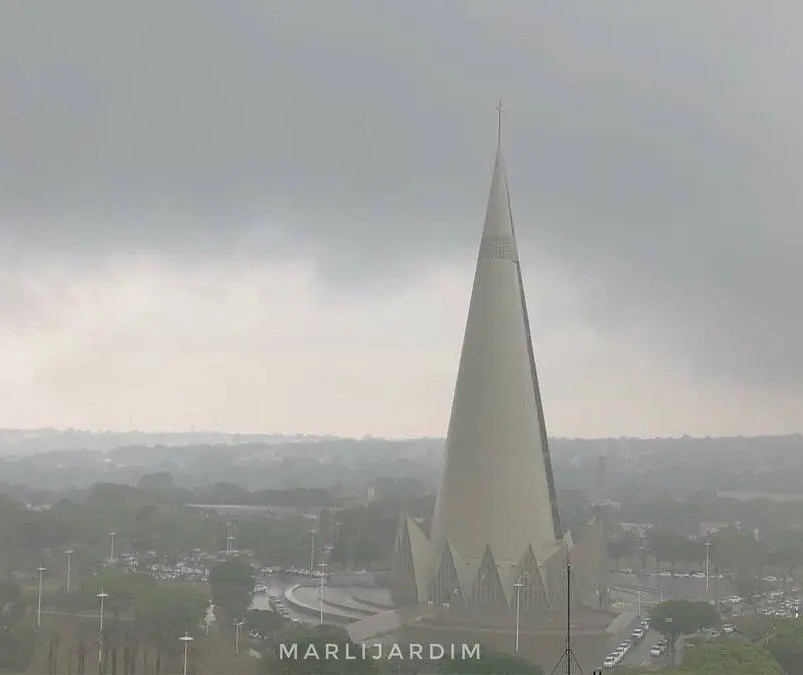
653 148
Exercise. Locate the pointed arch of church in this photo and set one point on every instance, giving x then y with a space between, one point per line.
405 588
488 593
447 584
533 596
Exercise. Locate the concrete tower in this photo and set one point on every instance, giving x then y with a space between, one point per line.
496 518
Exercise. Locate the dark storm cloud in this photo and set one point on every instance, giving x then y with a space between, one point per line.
653 148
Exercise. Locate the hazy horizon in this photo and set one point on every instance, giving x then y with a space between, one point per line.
275 226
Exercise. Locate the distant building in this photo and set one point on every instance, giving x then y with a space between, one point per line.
639 529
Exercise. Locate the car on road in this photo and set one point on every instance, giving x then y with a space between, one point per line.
609 662
637 634
728 628
656 651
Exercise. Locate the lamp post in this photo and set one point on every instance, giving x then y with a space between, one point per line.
337 530
101 596
518 586
69 553
312 551
323 567
707 562
112 535
229 539
186 639
237 625
41 570
671 638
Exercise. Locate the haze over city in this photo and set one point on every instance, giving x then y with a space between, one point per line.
273 227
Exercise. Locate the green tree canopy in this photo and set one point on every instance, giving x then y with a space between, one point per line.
787 645
682 617
730 658
17 641
232 584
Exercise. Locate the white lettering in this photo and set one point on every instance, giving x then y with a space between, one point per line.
416 651
471 652
286 652
331 651
395 652
432 648
311 652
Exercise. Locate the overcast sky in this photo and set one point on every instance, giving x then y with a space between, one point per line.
264 216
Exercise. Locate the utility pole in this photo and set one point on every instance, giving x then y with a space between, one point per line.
69 553
41 570
323 580
518 586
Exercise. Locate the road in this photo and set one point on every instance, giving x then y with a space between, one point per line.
639 655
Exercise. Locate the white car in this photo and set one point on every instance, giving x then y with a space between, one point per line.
637 634
728 628
656 651
609 662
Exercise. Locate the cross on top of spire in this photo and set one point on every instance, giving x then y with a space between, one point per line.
499 110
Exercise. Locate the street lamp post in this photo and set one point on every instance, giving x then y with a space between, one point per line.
323 567
229 539
312 551
337 531
186 639
101 596
41 570
671 638
69 553
112 535
707 564
518 586
237 625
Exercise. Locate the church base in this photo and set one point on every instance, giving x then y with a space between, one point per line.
542 639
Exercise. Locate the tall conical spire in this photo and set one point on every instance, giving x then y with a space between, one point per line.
496 518
497 487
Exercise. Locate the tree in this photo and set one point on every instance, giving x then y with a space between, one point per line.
729 657
622 547
750 588
669 547
265 622
492 663
681 617
366 550
163 615
786 645
232 584
17 641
